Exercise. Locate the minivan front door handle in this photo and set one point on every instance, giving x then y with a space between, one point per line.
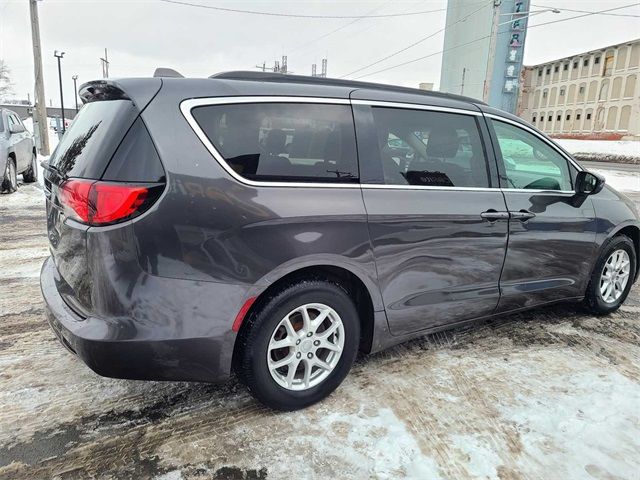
523 215
493 215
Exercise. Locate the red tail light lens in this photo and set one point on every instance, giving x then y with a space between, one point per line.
101 203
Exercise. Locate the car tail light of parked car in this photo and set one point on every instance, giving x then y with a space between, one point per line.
101 203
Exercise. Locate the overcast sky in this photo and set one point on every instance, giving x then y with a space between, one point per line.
142 35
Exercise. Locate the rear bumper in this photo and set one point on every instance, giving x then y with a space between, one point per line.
116 348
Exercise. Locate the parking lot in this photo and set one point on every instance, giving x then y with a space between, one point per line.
549 394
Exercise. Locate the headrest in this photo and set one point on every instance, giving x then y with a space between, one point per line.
275 141
443 142
332 149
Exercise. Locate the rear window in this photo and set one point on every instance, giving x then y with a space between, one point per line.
92 138
283 141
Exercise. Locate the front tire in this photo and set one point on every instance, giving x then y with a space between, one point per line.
612 276
10 182
300 345
31 175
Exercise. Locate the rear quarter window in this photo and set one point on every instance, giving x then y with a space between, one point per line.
283 141
92 138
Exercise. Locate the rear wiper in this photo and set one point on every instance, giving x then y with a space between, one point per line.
53 170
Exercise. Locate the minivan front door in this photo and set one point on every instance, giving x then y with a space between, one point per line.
438 228
552 233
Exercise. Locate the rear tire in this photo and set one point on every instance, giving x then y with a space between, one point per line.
323 341
31 175
612 276
10 182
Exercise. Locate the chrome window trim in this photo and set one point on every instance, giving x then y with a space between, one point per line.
187 105
551 192
417 106
381 186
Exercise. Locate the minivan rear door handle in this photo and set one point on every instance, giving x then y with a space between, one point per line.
523 215
493 215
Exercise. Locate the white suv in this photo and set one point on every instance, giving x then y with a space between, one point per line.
17 152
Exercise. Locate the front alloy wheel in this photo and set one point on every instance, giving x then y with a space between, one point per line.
615 275
612 276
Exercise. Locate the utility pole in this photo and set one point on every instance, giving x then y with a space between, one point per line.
324 68
75 90
464 72
105 65
59 56
495 25
39 100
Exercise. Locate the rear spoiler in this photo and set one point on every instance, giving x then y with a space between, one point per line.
138 90
101 90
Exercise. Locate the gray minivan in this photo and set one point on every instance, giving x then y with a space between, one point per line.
274 226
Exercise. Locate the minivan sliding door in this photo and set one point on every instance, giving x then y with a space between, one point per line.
437 222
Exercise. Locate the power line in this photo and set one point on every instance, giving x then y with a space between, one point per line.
423 39
488 36
588 11
292 15
342 27
585 15
423 57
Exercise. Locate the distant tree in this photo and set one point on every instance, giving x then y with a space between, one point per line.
6 87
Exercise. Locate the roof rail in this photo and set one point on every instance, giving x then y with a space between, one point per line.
286 78
167 72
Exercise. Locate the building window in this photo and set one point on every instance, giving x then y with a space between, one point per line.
544 94
588 116
569 117
581 89
559 117
548 70
562 92
539 72
550 117
596 60
565 67
586 62
533 120
575 64
578 116
556 69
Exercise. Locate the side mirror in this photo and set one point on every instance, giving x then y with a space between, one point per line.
589 183
16 128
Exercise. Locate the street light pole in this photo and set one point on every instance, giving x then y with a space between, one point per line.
59 55
75 90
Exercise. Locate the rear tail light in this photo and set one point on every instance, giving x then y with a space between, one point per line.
103 203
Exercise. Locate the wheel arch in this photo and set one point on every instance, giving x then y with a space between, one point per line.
633 232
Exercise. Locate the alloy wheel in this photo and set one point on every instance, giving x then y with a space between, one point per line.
305 347
615 276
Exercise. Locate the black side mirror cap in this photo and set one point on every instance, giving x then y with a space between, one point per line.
589 183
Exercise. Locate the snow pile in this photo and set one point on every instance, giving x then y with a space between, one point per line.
602 150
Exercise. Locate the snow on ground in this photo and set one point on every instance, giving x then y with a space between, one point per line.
602 150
